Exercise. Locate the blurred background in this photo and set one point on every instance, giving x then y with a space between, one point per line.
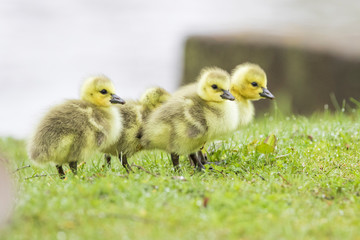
309 49
6 193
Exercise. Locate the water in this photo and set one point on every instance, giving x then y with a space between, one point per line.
48 47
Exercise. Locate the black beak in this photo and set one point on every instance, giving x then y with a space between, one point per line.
116 99
267 94
227 95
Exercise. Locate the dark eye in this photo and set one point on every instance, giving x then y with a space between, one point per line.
254 84
214 86
103 91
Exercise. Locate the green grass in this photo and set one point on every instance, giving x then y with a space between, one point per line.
309 188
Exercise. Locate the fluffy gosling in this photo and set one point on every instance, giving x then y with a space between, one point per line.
134 113
72 131
248 83
199 113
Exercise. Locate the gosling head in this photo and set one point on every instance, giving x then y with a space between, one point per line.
99 90
214 85
154 97
248 82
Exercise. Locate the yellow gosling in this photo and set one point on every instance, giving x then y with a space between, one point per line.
133 114
196 114
74 130
248 83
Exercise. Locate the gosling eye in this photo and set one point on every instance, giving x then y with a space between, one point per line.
254 84
214 86
103 91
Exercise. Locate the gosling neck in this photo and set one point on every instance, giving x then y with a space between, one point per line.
106 108
238 96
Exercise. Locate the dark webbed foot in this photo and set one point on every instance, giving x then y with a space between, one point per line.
199 166
175 161
124 162
204 160
191 160
60 171
73 167
108 160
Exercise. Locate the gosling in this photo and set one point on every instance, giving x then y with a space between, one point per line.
134 113
248 83
194 115
74 130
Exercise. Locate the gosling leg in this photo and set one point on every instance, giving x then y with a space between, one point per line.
202 156
191 161
124 162
175 161
60 171
73 167
197 162
108 160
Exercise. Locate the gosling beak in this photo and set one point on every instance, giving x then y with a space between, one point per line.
227 95
267 94
116 99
